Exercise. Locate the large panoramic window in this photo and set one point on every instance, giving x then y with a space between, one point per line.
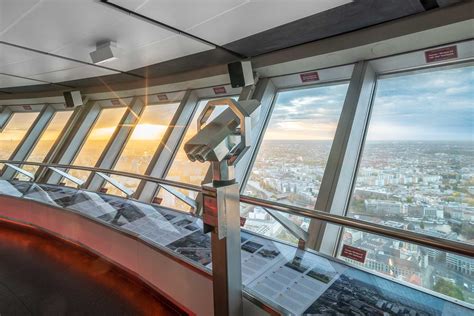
47 139
49 136
14 132
417 173
97 140
143 143
291 160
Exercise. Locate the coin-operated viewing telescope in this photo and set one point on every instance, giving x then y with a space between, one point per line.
222 142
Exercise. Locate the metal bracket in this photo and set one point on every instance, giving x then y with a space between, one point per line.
294 229
192 203
66 175
20 170
116 184
5 115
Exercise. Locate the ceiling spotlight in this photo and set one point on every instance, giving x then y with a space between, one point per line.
104 52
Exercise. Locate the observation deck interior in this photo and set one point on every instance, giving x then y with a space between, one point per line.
135 134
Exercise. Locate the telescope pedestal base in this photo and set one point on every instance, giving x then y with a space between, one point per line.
222 218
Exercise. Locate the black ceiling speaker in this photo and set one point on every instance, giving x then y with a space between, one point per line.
73 99
241 74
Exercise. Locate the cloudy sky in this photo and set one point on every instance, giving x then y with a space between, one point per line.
437 105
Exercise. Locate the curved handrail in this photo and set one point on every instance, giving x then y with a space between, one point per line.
400 234
176 184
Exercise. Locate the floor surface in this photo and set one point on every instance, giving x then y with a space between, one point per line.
42 275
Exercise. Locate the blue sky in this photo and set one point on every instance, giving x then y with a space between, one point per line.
309 114
435 105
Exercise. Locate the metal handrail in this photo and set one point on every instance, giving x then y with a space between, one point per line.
400 234
176 184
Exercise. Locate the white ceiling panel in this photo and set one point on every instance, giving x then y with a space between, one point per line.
174 47
73 74
257 16
11 55
54 25
182 14
71 28
7 81
130 4
12 10
32 63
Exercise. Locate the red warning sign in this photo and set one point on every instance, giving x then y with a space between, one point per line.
440 54
162 97
353 253
210 210
309 76
219 90
115 102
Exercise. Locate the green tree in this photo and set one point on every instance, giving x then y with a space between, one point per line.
448 288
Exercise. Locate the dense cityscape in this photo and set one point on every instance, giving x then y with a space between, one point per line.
426 187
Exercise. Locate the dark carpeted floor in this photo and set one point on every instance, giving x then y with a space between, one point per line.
42 275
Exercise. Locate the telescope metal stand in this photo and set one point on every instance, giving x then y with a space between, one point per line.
221 214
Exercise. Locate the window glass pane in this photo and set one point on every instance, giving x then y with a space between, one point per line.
49 136
143 143
291 160
14 132
97 140
182 169
46 141
417 173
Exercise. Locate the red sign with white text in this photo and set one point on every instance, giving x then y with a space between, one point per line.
115 101
440 54
219 90
162 97
309 76
353 253
209 215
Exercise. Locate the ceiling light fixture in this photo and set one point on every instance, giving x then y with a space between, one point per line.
104 52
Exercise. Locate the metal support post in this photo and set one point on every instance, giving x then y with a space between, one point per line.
222 142
222 218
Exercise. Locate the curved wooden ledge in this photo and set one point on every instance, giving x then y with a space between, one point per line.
183 284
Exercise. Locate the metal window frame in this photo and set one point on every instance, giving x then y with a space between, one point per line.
117 141
345 150
5 116
326 238
114 149
31 137
74 138
277 84
47 112
265 92
162 159
58 144
293 82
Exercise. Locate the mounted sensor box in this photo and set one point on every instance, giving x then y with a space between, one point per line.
73 99
241 74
